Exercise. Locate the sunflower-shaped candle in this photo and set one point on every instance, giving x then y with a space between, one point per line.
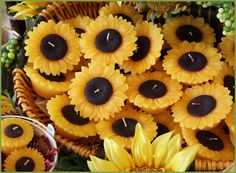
153 91
25 160
148 50
68 122
226 78
214 143
126 11
229 120
188 28
16 133
121 128
53 48
109 39
228 49
165 123
98 91
48 86
79 23
192 63
201 106
163 155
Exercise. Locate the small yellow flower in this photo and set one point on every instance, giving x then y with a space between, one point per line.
165 153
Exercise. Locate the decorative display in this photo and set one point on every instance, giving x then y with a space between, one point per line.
192 63
150 82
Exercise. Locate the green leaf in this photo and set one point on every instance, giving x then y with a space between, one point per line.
75 168
66 162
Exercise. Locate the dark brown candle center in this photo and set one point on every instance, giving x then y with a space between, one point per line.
13 131
25 164
58 78
201 105
210 140
53 47
189 33
153 89
108 40
73 117
124 127
98 90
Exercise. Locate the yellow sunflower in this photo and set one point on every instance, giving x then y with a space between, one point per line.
109 39
163 155
98 91
165 123
79 23
192 63
53 48
6 104
226 78
214 143
16 133
228 49
154 90
229 120
201 106
126 11
121 128
25 160
148 50
68 122
48 85
188 28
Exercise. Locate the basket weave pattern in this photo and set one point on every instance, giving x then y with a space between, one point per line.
26 96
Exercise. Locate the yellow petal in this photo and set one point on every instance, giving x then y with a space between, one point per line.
18 7
174 147
141 148
160 146
118 155
181 161
100 165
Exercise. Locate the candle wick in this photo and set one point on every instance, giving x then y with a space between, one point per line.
211 139
51 44
154 87
97 90
16 127
136 49
190 33
123 119
26 162
190 56
108 36
196 104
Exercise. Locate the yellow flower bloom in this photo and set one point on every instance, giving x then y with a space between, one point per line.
164 154
6 104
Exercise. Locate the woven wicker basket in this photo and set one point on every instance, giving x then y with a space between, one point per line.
26 96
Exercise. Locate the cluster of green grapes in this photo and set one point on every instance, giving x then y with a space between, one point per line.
225 14
9 53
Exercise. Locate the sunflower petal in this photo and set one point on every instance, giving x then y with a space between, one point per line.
97 164
118 155
174 147
181 161
160 146
141 148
